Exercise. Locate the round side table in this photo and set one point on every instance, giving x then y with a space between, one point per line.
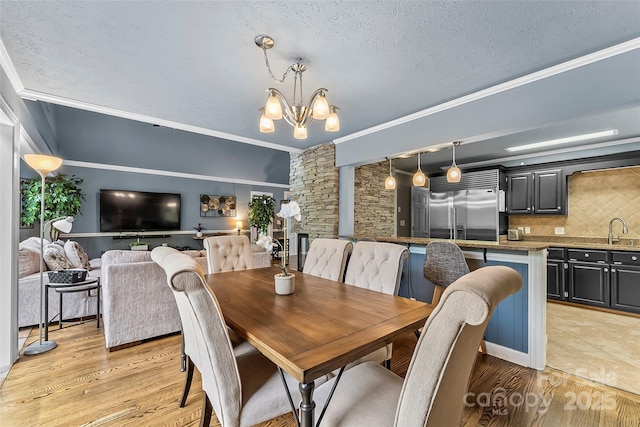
92 283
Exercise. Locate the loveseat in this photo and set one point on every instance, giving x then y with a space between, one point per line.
75 305
137 304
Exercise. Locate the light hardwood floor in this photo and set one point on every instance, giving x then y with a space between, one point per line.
81 384
597 345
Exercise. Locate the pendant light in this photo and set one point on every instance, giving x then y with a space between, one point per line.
390 182
454 174
419 179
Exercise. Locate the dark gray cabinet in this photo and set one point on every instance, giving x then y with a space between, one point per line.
556 274
588 277
537 192
625 281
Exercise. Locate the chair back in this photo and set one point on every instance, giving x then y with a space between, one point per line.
205 331
228 253
440 370
444 263
376 266
327 258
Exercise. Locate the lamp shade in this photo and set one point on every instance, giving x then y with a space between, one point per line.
419 179
43 164
320 107
333 122
239 225
300 132
273 109
454 174
266 124
64 224
390 183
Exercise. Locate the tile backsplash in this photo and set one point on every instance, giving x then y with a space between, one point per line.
594 198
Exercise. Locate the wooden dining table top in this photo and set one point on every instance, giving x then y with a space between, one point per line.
322 326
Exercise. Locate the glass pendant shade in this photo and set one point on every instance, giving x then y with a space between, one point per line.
273 109
419 179
454 174
390 183
43 164
320 107
333 122
266 124
299 132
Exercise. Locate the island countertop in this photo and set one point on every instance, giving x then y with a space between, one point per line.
505 245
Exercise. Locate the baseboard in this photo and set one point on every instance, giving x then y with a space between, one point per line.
508 354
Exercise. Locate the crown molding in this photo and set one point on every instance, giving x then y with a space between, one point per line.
503 87
131 169
9 69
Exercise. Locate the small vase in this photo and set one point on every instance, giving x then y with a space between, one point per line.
285 285
199 234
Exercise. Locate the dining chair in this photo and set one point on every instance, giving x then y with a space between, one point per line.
228 253
327 258
432 393
377 266
242 390
444 263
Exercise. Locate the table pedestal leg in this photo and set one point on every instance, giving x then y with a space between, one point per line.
307 406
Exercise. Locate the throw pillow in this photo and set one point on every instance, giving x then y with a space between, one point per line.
28 262
33 244
55 257
76 255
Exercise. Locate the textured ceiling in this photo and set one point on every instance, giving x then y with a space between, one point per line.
195 63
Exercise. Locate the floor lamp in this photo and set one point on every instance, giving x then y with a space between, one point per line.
43 165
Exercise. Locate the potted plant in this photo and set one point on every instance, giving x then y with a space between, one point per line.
284 281
199 229
261 212
62 197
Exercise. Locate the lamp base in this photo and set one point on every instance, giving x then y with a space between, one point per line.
39 347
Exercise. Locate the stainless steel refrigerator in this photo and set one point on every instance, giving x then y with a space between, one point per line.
464 214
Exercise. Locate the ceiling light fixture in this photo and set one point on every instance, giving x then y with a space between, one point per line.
419 178
568 139
390 182
454 174
298 115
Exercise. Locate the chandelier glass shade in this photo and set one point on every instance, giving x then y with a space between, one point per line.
419 178
297 114
390 182
454 174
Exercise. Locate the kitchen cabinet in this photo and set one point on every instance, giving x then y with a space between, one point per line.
625 281
537 192
588 277
556 274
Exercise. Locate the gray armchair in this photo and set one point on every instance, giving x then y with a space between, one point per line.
432 394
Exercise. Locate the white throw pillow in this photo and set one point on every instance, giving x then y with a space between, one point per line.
76 255
55 257
33 244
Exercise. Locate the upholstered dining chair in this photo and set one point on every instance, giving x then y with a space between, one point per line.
377 266
327 258
228 253
242 390
432 393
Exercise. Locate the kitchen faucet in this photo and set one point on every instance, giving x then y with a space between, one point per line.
625 230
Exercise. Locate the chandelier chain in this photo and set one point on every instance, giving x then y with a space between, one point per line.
286 72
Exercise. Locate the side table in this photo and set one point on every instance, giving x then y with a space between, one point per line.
66 288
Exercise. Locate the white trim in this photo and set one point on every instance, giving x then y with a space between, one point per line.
7 66
27 146
537 327
170 173
503 87
133 235
508 354
59 100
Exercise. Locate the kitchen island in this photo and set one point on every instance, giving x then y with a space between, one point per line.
517 330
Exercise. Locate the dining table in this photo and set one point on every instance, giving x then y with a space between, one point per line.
322 326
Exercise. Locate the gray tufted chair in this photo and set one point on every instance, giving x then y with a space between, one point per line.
327 258
432 393
228 253
377 266
242 390
444 263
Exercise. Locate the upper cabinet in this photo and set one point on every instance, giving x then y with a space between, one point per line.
537 192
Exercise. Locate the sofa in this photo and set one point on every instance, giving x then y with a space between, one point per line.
75 305
137 304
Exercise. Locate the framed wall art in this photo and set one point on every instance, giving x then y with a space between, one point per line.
213 205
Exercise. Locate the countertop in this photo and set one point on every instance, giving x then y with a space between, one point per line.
530 243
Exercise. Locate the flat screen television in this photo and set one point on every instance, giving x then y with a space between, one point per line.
124 210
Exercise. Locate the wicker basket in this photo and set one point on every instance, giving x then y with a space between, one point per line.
67 276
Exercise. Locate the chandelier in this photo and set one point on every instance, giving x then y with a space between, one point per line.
297 114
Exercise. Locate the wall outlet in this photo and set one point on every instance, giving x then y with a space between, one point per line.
527 230
402 223
559 230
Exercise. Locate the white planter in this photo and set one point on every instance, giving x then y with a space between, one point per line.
285 285
199 234
140 248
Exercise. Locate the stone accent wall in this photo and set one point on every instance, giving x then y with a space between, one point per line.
594 198
374 206
313 177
